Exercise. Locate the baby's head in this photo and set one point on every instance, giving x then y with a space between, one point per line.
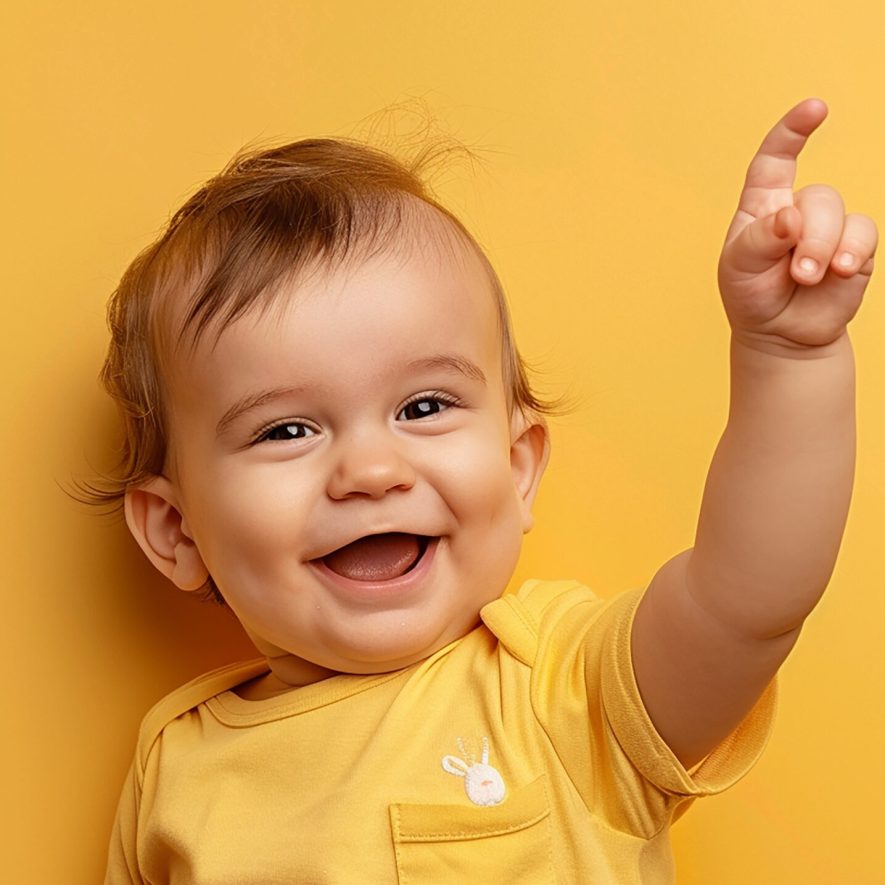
327 421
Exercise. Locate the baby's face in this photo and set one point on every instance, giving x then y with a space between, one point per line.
344 466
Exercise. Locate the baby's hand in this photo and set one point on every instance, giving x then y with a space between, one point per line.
794 267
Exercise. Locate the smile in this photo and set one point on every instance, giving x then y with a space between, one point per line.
377 559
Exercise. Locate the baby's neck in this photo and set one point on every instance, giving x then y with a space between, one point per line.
287 672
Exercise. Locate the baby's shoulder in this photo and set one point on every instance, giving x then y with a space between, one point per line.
539 611
194 693
540 595
538 600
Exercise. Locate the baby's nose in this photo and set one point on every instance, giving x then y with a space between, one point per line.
370 468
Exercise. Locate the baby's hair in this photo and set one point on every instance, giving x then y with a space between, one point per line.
268 216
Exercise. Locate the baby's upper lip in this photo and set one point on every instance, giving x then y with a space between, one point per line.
325 550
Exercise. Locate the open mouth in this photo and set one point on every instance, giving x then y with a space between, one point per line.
378 557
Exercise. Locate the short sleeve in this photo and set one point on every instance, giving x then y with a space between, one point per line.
636 734
584 694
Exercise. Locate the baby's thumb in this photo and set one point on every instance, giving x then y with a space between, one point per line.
764 242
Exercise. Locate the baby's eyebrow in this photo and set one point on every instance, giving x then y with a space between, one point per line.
252 401
458 364
447 362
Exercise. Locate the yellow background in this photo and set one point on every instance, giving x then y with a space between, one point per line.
614 137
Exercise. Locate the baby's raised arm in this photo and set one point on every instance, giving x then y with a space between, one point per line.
719 619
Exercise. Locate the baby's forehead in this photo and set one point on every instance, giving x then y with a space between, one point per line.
191 321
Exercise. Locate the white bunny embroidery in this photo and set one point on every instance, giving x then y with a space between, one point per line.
482 782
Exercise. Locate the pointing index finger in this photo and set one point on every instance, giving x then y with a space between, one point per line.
774 166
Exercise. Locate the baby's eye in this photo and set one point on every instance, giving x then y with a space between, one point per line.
286 431
424 407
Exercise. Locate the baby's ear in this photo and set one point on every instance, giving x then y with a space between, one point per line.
529 453
157 523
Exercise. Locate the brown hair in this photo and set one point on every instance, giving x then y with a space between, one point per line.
268 215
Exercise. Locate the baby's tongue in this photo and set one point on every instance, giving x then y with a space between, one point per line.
376 557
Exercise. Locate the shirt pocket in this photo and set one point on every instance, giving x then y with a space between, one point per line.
510 842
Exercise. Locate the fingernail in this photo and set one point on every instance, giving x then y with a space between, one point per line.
808 266
846 259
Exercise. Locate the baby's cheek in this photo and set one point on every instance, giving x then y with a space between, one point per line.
481 463
246 530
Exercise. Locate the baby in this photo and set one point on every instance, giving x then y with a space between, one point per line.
329 428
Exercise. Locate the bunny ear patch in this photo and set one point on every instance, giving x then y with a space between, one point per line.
483 783
454 765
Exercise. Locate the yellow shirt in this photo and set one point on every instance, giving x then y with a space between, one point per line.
520 753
